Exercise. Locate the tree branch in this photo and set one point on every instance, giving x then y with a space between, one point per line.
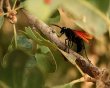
86 66
1 6
8 7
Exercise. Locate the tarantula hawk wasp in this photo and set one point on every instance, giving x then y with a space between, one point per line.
75 36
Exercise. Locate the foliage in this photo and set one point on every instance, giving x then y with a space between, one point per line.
37 62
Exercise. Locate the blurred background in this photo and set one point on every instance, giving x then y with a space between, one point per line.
36 62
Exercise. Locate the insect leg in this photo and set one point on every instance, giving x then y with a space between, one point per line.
67 44
66 40
85 52
60 35
70 43
72 40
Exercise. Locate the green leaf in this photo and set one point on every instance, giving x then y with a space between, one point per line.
45 59
1 21
55 18
31 34
33 78
31 62
3 85
94 21
102 5
46 42
40 9
16 75
24 42
69 56
14 68
43 49
38 38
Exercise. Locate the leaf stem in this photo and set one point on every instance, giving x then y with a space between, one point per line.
76 81
18 8
15 35
14 5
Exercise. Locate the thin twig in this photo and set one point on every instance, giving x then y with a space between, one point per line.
70 84
84 65
1 6
18 8
77 81
14 5
8 6
15 35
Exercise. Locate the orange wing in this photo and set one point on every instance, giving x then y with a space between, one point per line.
85 36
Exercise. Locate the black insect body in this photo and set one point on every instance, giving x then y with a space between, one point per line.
75 36
72 38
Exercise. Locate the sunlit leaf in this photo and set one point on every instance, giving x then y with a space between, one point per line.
39 39
54 18
46 42
69 56
102 5
65 19
40 9
93 21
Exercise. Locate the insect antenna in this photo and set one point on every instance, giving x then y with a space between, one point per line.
56 26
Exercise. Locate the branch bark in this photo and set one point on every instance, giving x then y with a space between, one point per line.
8 6
86 66
1 6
